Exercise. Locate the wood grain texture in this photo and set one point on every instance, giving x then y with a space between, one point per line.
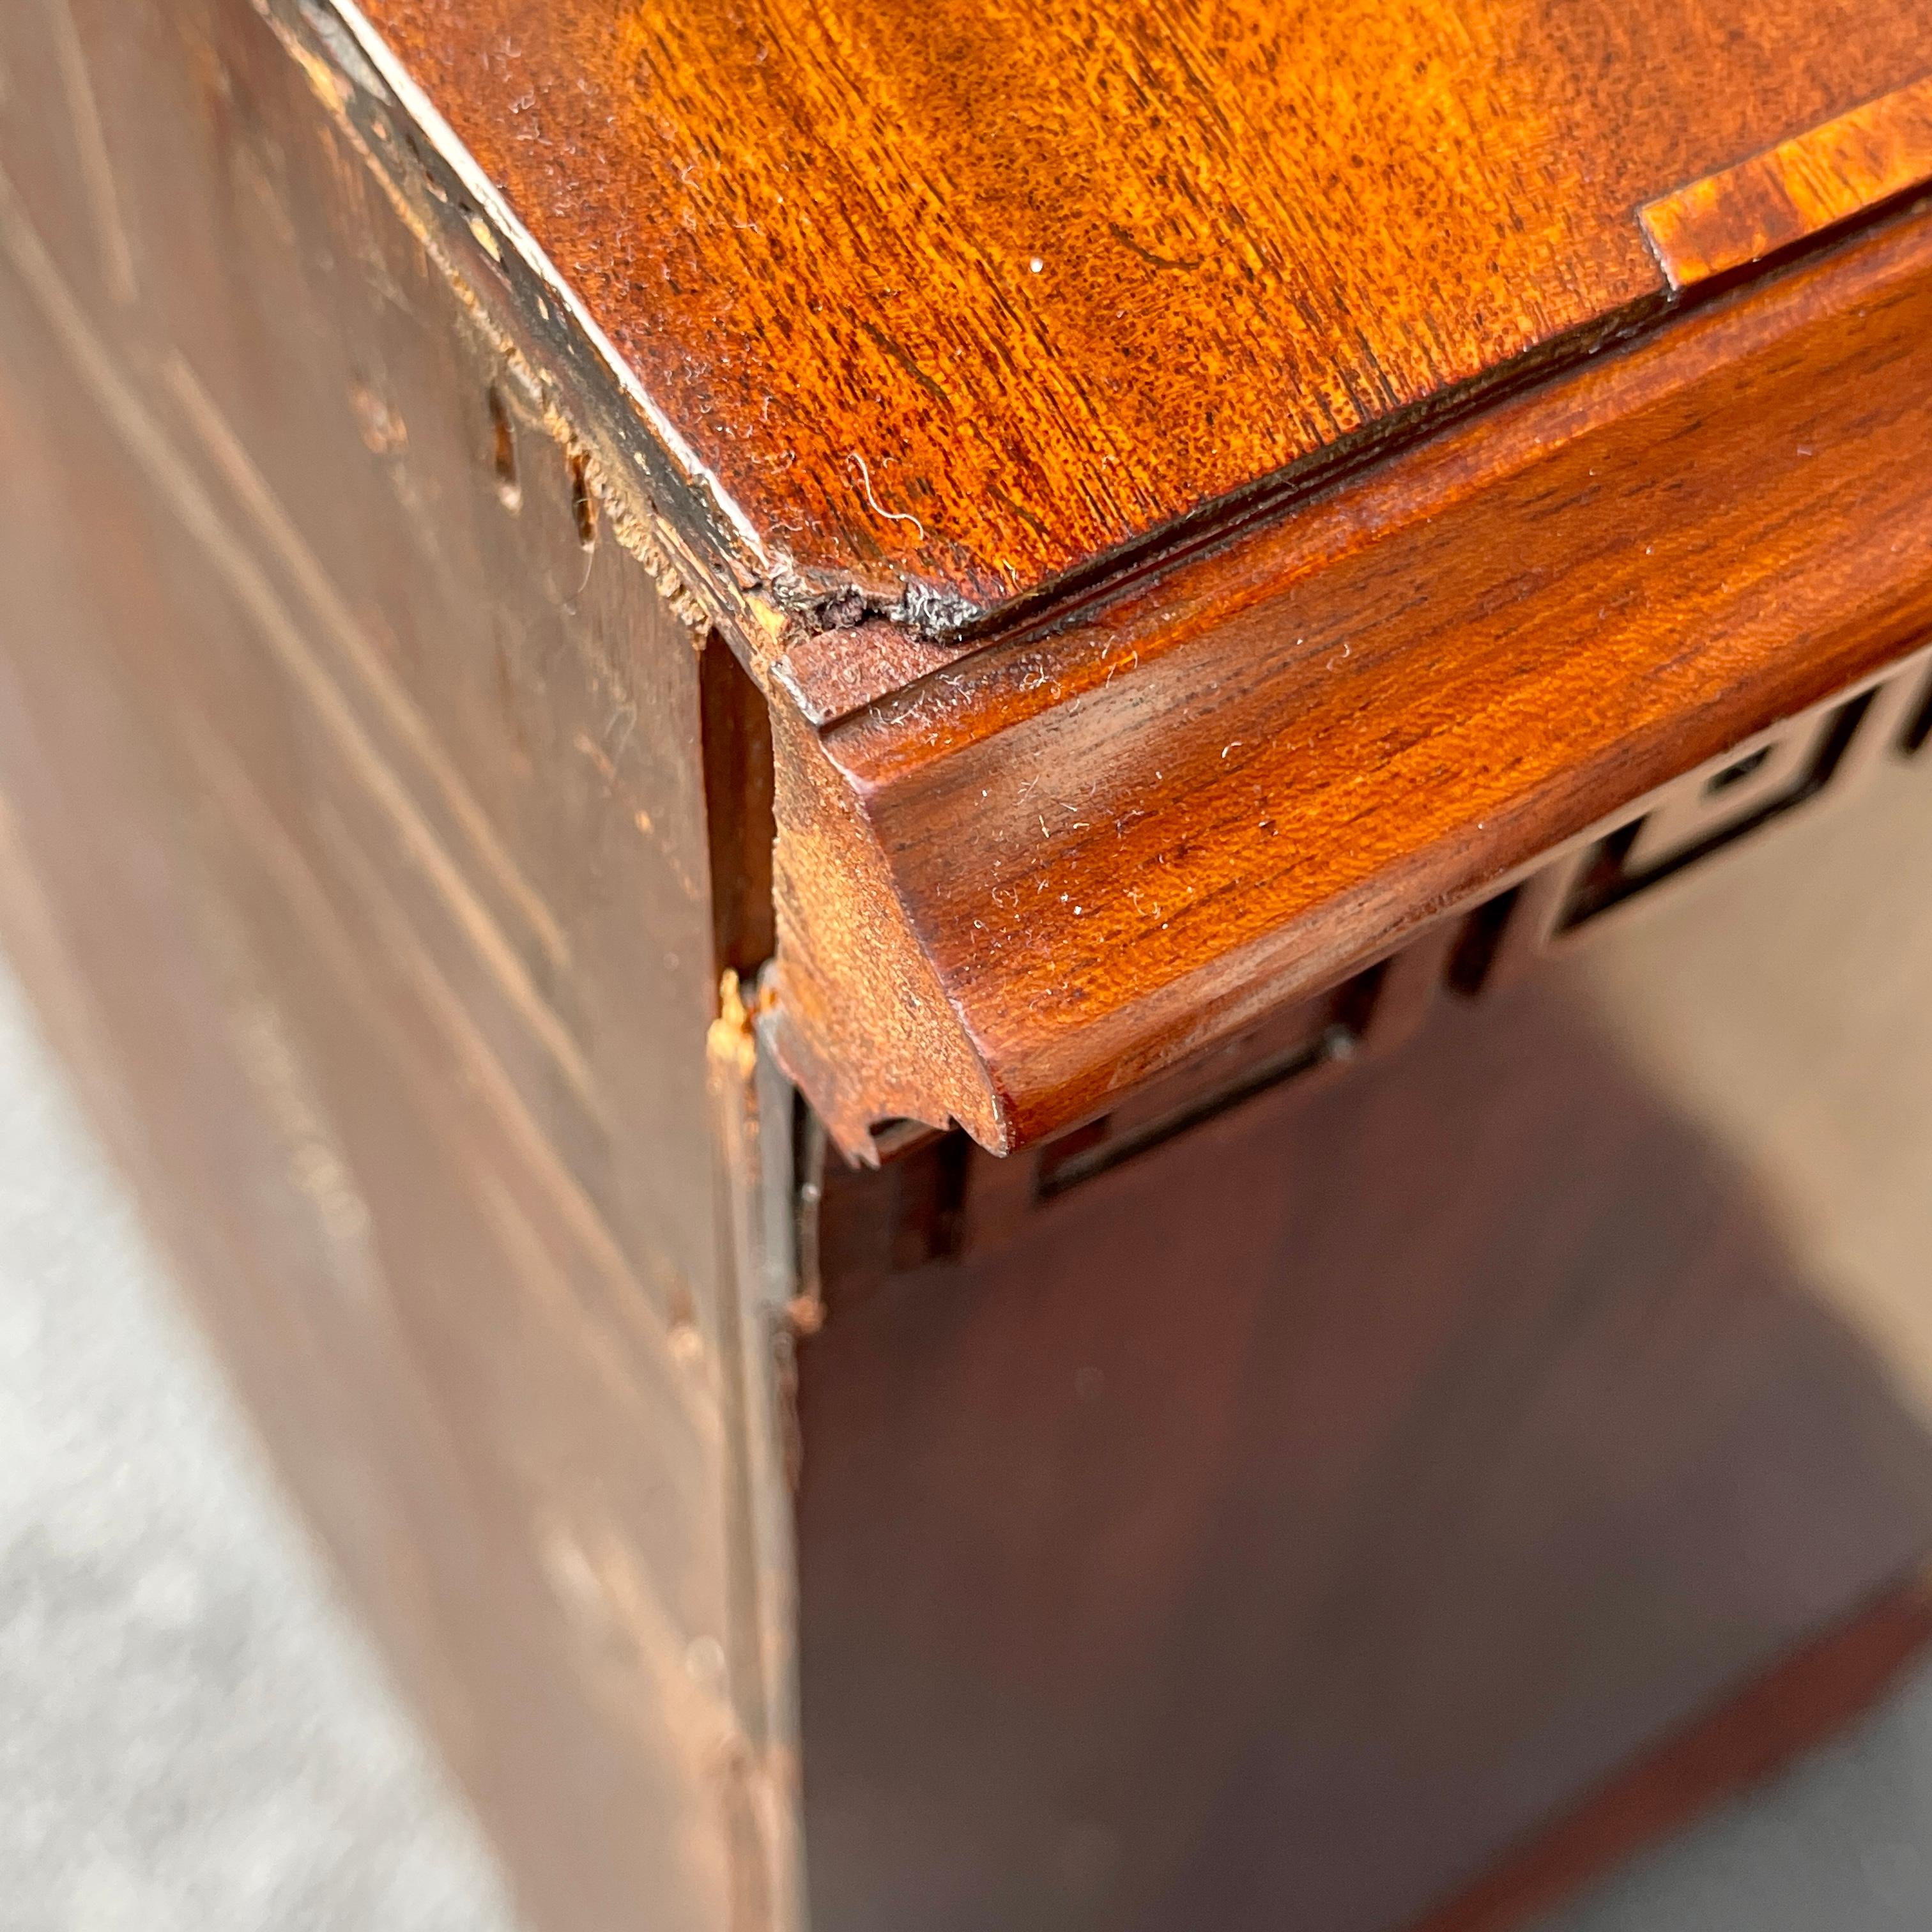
1110 844
1796 189
353 834
948 301
915 980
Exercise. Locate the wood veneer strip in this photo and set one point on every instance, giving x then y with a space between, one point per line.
1796 190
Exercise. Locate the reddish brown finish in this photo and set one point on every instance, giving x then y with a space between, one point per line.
1796 189
812 230
1663 847
1526 649
1109 846
376 831
1279 1527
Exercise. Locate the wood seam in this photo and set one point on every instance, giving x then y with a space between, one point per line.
1802 187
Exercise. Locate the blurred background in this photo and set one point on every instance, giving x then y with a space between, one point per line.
193 1736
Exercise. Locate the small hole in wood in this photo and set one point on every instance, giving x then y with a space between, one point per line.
1737 771
503 452
582 504
1481 940
1911 741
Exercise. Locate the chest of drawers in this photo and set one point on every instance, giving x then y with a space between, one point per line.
806 783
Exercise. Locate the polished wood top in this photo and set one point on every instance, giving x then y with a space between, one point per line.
1011 892
949 303
1004 388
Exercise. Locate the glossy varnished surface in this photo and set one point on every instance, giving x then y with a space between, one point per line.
1021 869
1322 1470
376 834
951 299
1105 846
1825 174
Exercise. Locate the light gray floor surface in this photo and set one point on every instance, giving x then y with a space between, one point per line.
193 1737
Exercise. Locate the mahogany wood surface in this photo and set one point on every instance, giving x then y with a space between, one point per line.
1022 867
1743 213
1080 531
948 299
1394 1484
1044 874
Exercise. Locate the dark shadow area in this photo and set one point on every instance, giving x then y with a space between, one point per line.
1274 1533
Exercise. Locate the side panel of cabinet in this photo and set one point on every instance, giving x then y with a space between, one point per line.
1376 1507
353 839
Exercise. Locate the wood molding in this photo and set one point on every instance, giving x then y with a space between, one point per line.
1103 848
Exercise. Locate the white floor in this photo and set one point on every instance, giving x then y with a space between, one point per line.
193 1737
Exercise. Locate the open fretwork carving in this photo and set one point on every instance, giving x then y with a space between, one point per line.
955 1195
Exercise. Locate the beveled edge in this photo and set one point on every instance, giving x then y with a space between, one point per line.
982 1059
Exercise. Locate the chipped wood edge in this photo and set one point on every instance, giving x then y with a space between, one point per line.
863 1024
665 504
880 1017
564 371
379 67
